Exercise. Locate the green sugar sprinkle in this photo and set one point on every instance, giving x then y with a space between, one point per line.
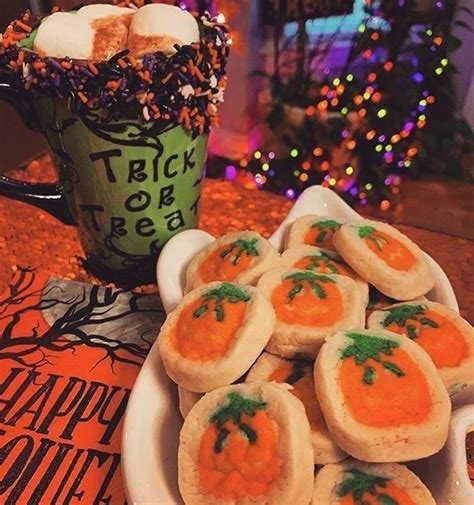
326 224
298 371
356 483
324 258
370 233
323 226
225 291
248 247
402 314
314 280
367 347
237 406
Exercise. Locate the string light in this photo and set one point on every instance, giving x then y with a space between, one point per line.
338 97
317 151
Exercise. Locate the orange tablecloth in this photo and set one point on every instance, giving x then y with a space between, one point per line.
31 238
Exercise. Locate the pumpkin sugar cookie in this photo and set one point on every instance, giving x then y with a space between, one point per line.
235 257
308 308
322 261
313 230
440 331
355 483
299 374
246 444
384 257
214 335
382 397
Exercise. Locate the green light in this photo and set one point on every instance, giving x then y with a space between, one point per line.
349 77
407 163
294 153
344 111
422 117
378 147
388 147
439 71
336 81
296 173
382 113
257 155
368 186
429 32
422 102
349 170
366 95
361 29
444 62
265 167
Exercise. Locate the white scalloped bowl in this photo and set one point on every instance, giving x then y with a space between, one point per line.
152 421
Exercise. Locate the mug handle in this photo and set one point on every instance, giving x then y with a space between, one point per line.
46 196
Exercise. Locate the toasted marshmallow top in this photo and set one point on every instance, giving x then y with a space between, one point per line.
99 11
65 34
165 21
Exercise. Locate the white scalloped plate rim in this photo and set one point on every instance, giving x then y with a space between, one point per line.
152 420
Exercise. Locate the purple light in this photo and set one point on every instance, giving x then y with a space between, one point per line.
388 180
353 191
418 77
400 164
439 5
271 173
327 177
271 155
345 133
290 193
381 138
326 71
421 108
364 201
425 93
388 157
409 125
230 172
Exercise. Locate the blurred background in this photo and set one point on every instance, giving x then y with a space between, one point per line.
374 99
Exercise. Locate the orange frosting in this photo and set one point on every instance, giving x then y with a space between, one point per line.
241 469
303 389
392 490
321 266
218 268
390 401
390 250
307 308
445 344
205 338
321 237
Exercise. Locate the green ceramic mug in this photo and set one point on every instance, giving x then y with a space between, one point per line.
127 185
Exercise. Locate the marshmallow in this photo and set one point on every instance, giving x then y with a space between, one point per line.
100 11
65 34
158 27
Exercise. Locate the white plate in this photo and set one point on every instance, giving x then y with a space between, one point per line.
152 421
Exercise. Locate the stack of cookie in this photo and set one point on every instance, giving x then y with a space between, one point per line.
278 370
